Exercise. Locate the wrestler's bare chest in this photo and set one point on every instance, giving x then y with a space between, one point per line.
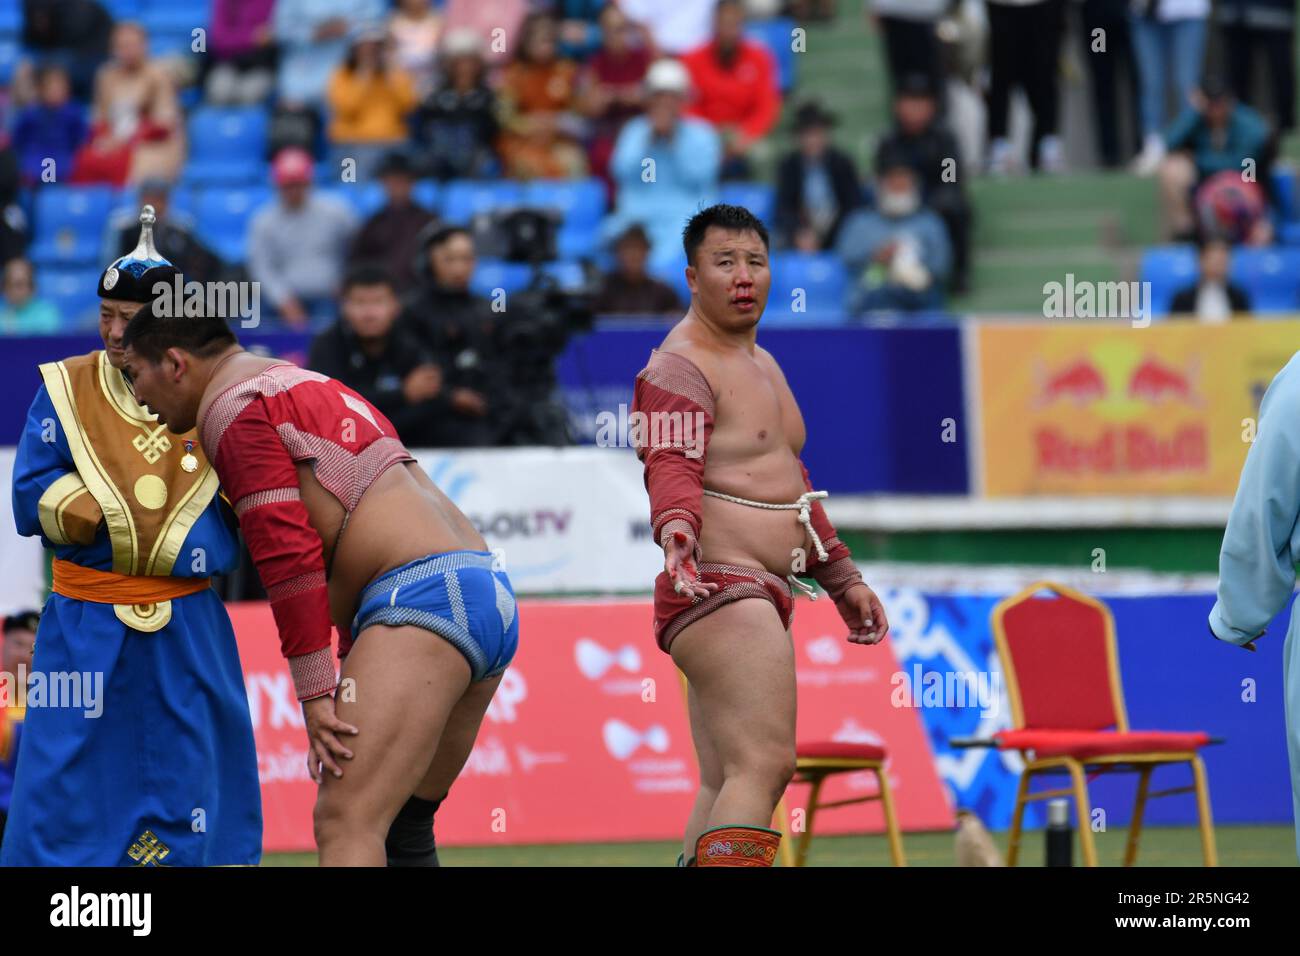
755 415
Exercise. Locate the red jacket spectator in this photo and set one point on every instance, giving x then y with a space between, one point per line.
740 91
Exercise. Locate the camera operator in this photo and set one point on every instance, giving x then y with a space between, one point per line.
456 327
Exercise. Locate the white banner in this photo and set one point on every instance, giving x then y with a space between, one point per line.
563 519
22 560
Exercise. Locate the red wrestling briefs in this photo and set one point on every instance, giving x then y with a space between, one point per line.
671 390
253 433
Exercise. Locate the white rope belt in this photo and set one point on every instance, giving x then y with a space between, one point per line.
803 505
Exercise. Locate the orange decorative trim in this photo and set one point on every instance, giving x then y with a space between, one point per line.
737 846
109 587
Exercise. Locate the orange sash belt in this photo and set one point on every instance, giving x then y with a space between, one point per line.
109 587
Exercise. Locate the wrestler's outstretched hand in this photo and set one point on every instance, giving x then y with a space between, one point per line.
864 614
323 726
679 563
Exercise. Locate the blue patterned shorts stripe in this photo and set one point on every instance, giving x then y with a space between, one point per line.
458 596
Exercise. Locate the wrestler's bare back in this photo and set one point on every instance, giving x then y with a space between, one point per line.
401 517
758 433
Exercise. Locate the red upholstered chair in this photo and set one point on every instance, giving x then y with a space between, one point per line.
817 762
814 764
1061 666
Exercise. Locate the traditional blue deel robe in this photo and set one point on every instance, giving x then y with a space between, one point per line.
162 768
1261 546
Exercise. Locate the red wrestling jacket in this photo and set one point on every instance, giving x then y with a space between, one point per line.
672 385
253 433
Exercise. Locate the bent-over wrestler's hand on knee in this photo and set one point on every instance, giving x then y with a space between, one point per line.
323 726
864 615
679 564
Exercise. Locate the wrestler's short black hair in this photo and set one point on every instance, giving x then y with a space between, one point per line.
367 274
724 216
150 334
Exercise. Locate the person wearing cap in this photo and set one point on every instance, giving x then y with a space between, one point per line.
1215 133
392 235
664 165
899 250
173 235
816 184
930 148
736 88
15 665
628 289
455 129
298 244
137 528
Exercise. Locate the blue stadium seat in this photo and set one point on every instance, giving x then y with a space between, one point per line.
1284 190
822 281
1271 277
490 274
10 53
462 199
365 199
673 273
577 242
1168 269
11 18
227 147
567 273
73 291
581 202
428 193
224 216
123 9
171 42
175 16
758 198
69 223
1289 233
775 34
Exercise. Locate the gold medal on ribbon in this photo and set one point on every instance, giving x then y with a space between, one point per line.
188 462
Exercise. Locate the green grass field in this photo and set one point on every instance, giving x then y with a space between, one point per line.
1161 846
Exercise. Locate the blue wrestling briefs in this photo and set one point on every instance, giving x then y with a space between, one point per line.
458 596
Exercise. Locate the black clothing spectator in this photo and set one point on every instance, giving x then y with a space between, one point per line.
392 235
628 289
816 185
1264 30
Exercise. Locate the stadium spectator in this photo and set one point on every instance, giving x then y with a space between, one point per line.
1168 39
13 221
457 328
1265 30
736 89
367 350
16 660
21 312
1214 134
173 235
930 148
816 184
138 129
69 33
675 26
497 24
628 289
416 29
49 133
611 86
1024 52
580 30
540 134
1212 298
297 245
664 166
1112 74
313 37
240 66
899 251
910 29
455 129
392 235
369 100
293 126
